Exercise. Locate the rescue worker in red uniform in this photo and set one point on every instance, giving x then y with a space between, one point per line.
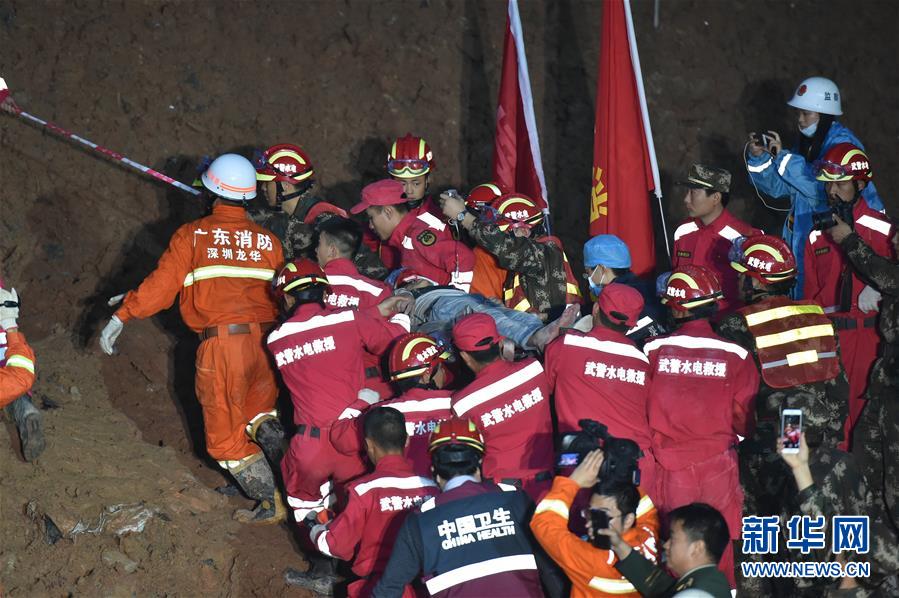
539 279
17 373
489 276
705 239
366 530
220 266
602 374
473 538
510 401
417 373
701 398
338 241
319 353
830 279
409 162
422 246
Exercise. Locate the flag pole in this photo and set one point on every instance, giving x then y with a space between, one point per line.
644 112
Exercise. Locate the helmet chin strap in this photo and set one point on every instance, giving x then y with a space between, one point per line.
281 197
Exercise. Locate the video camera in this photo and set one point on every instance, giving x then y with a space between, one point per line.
620 454
825 220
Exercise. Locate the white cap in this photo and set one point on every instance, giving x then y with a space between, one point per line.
817 94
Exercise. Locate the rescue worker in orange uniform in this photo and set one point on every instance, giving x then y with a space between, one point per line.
423 247
700 402
705 239
630 512
416 370
220 266
539 278
17 373
832 281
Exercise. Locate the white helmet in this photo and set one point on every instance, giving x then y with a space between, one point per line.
817 94
232 177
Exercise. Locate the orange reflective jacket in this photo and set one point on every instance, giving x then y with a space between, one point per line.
221 265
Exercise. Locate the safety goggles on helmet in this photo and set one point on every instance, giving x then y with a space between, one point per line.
763 257
414 354
415 167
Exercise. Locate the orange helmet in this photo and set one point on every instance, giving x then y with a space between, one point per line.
843 162
298 275
284 162
692 286
409 157
456 431
484 194
764 257
414 354
517 211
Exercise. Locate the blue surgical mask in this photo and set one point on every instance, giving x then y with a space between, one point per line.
809 130
596 288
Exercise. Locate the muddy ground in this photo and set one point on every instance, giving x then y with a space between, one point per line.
168 82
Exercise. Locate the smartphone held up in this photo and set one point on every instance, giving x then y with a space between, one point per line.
791 429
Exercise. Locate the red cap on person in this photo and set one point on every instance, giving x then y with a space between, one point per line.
621 304
320 208
386 192
475 332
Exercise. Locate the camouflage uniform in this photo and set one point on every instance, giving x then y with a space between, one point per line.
541 266
297 238
877 433
765 478
839 489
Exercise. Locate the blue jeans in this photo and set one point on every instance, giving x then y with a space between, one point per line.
448 308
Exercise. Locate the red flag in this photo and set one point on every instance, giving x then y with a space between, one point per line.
624 170
516 150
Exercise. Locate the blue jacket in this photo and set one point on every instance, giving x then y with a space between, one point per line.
789 175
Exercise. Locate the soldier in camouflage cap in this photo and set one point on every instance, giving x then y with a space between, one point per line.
701 176
876 440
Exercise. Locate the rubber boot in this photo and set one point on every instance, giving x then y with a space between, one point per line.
548 333
266 430
256 479
30 424
320 577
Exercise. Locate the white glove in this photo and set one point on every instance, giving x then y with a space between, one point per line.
109 335
369 396
868 299
9 315
113 301
315 531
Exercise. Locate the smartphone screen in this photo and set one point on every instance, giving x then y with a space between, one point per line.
791 429
599 519
568 460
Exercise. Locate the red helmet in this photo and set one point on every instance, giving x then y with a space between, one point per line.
843 162
298 275
483 194
517 211
414 354
409 157
764 257
284 162
691 286
456 431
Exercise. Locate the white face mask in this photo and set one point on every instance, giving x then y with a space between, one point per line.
809 130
